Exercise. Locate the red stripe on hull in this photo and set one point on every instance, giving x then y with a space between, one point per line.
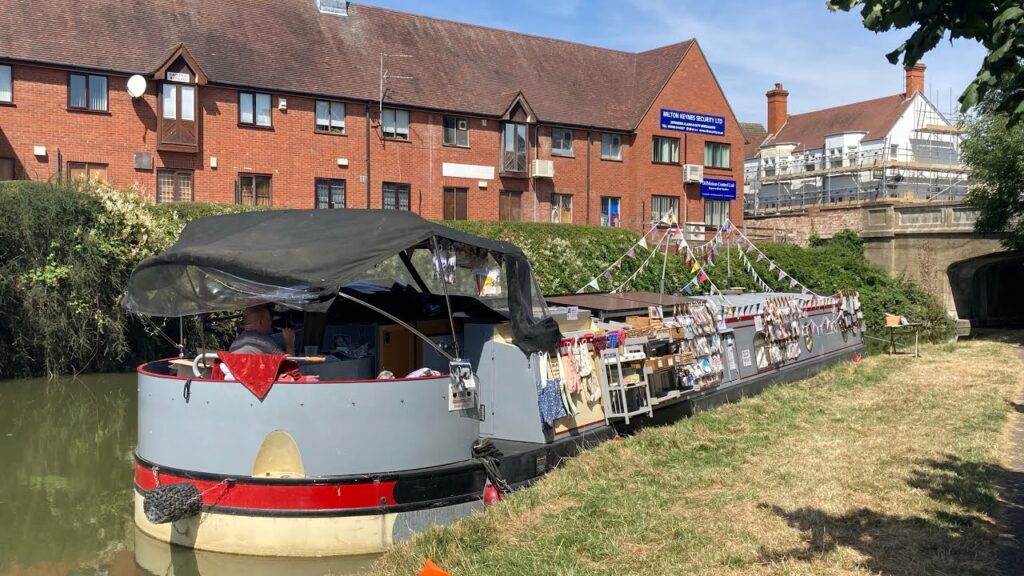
256 496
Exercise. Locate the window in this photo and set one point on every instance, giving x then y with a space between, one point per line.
561 142
662 206
716 155
610 211
174 186
611 147
456 131
330 193
254 109
179 109
6 169
330 117
87 171
510 206
396 196
87 92
665 150
513 148
395 123
716 212
176 129
561 208
253 190
6 84
455 203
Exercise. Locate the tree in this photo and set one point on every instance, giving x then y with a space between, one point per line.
995 153
997 24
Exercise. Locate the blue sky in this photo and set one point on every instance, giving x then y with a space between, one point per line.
824 59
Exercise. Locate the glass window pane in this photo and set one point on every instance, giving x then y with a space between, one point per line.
76 99
338 193
6 84
97 172
322 190
185 186
97 92
245 108
170 102
165 186
338 116
402 124
323 113
263 191
76 171
188 103
263 109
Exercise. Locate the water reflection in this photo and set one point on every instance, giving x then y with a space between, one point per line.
66 489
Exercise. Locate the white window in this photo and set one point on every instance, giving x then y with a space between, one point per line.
254 109
170 103
395 123
665 150
663 206
188 103
611 147
6 84
561 208
716 155
716 212
610 211
561 142
456 131
330 117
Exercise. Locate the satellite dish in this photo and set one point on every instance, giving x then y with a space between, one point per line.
136 86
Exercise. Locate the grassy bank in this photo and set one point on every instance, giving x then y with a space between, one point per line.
884 467
66 253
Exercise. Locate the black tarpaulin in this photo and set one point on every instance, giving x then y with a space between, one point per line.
301 258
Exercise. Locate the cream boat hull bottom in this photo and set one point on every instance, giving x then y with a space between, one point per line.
307 536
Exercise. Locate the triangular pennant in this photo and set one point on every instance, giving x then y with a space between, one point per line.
607 274
782 274
643 243
771 266
760 257
804 290
618 263
792 283
715 250
580 291
694 267
593 284
711 261
631 253
750 247
702 277
687 289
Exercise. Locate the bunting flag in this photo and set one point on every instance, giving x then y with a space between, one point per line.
593 284
792 282
702 277
715 249
607 274
750 247
804 290
760 256
580 291
687 289
782 274
643 243
631 254
694 267
618 263
711 261
771 266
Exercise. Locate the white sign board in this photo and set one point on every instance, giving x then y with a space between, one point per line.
745 357
471 171
178 77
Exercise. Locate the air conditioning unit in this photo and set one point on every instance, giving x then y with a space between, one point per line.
693 173
543 169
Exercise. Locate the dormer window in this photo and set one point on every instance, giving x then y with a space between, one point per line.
178 82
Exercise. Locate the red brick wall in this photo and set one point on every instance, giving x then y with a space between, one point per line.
798 227
294 155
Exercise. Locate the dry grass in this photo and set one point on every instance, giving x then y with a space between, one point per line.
886 467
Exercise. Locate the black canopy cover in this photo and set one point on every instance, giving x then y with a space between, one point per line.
301 258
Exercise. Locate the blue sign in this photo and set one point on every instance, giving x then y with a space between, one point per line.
715 189
692 122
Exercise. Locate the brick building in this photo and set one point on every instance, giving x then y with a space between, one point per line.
319 103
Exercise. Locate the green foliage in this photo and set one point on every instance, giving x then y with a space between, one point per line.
997 24
995 153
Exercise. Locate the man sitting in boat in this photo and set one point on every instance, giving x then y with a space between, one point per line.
255 336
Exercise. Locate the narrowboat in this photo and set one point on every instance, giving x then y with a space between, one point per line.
434 377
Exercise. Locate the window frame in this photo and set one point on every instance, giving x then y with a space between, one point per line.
255 122
330 109
556 207
673 151
617 158
672 201
395 134
254 176
177 184
10 76
505 198
399 187
330 182
14 168
457 193
455 131
710 146
710 205
561 151
618 212
88 93
515 152
88 168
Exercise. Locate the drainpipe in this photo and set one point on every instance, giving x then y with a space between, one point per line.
368 179
589 142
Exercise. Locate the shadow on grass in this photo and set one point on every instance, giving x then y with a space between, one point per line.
957 540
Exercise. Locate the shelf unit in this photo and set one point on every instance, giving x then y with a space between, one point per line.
624 399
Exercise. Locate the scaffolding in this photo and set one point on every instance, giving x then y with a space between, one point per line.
926 167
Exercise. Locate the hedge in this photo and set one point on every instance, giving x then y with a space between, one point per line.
67 250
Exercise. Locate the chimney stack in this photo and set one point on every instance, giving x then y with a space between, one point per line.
778 99
915 79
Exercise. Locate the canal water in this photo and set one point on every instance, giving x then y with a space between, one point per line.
66 489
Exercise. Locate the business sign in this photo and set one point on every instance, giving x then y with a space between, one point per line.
692 122
716 189
178 77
